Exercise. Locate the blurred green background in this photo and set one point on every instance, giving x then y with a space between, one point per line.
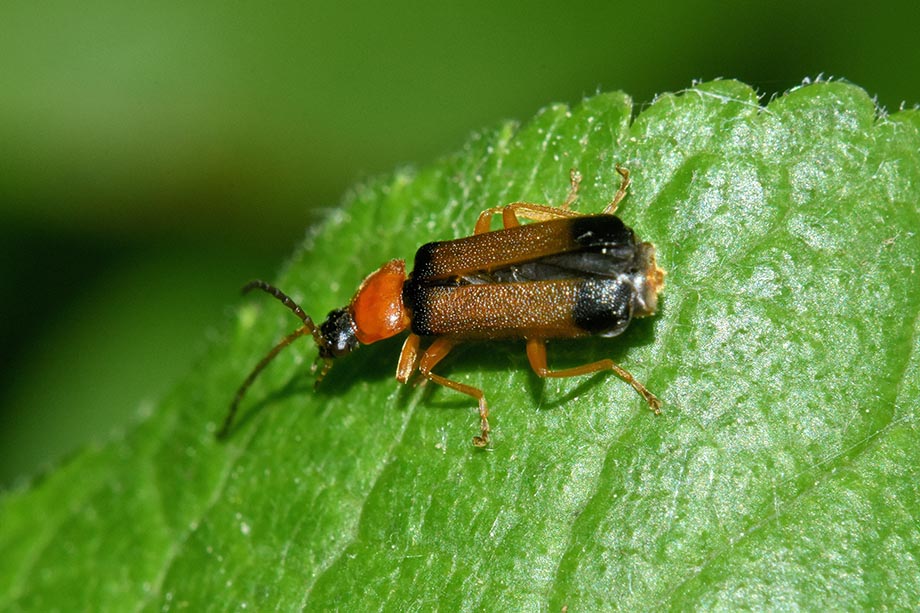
155 156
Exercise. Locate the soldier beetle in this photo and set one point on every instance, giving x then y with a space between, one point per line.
565 275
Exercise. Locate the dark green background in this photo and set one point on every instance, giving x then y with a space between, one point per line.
154 156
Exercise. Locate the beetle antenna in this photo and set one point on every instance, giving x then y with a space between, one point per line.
308 327
289 303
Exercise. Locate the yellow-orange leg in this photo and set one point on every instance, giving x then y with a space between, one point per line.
621 191
434 354
536 355
529 210
574 182
545 212
408 358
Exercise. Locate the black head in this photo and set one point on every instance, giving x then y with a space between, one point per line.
338 334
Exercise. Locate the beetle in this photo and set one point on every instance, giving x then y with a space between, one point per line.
565 275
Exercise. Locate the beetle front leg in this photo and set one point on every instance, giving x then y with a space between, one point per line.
536 355
408 358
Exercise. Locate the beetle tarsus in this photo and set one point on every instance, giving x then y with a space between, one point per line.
653 403
483 439
621 191
574 181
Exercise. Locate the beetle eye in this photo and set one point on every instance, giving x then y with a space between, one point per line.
338 332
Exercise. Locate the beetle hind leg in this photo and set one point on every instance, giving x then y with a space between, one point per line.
546 212
574 181
536 355
527 210
434 354
621 191
531 211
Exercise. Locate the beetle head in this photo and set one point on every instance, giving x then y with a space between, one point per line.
337 335
376 312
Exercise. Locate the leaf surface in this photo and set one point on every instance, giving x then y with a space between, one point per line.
783 470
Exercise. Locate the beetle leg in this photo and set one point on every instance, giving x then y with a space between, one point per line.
408 358
575 181
536 355
621 191
484 223
545 212
436 352
527 210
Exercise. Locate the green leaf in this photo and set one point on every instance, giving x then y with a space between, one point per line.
783 471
